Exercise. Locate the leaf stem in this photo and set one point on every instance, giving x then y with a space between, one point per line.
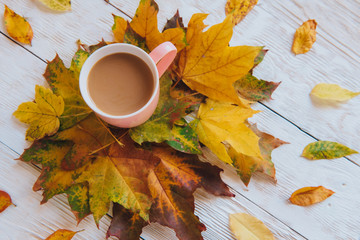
189 95
102 123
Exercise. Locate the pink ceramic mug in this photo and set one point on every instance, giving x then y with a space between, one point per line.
158 61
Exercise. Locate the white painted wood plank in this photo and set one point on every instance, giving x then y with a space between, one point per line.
259 196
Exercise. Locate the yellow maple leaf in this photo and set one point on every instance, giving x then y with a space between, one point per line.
221 126
332 92
208 65
305 36
239 9
246 165
42 115
17 26
145 24
245 226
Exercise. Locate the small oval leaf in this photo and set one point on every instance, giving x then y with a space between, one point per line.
326 150
304 38
245 226
5 200
310 195
332 92
17 26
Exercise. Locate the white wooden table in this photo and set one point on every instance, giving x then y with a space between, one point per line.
292 116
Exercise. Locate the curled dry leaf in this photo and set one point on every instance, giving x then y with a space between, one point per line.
326 150
239 9
17 26
304 38
332 92
5 200
310 195
42 115
247 227
57 5
62 234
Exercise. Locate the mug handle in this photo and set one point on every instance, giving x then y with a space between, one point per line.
163 55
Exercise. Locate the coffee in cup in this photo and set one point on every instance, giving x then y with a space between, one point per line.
120 82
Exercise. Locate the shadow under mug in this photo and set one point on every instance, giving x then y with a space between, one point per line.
158 61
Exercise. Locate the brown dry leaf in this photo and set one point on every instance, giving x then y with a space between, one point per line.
17 26
239 9
208 65
304 38
310 195
5 200
62 234
247 227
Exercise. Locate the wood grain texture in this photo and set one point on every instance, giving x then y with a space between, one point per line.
271 23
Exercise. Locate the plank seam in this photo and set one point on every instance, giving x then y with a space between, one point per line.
8 37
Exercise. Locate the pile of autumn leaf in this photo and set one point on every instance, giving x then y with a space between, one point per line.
150 172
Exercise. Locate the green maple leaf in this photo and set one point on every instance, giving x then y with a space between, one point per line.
158 127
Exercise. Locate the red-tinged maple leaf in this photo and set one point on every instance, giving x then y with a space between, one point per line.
172 184
125 224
